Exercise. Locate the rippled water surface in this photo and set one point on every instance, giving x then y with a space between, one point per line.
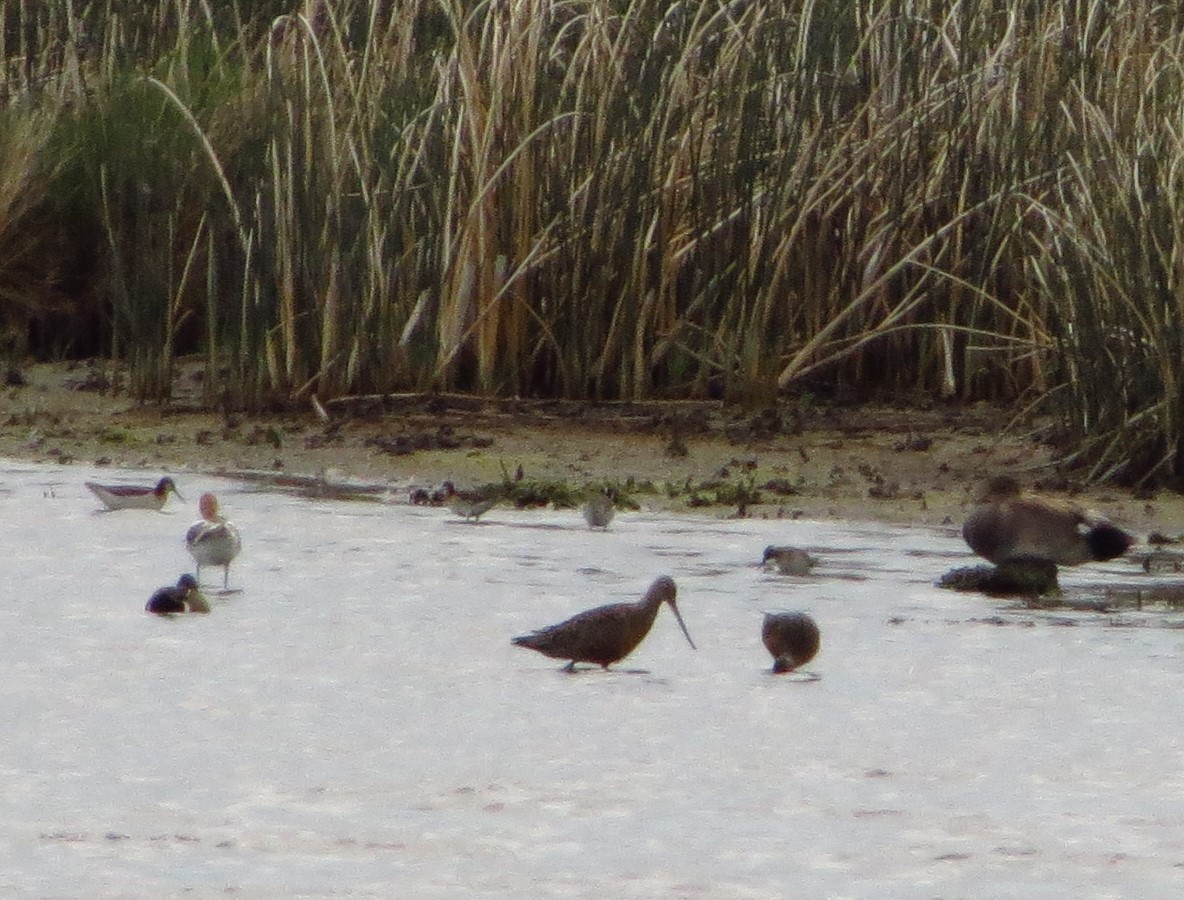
353 721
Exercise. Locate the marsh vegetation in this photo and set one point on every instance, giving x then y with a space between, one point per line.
610 199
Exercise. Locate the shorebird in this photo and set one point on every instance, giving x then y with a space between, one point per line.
600 509
467 504
606 634
185 597
791 638
788 560
1011 525
213 541
131 496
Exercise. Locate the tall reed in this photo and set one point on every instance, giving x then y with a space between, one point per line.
615 199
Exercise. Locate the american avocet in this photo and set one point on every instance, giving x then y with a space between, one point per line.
213 541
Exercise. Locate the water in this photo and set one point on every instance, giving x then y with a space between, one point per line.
353 721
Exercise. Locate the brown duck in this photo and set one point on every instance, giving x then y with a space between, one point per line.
792 639
1011 525
606 634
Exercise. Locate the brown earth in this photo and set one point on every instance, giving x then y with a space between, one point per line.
857 462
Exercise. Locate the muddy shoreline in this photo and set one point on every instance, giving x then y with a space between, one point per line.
868 462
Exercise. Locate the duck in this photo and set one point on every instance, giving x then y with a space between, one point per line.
788 560
792 639
184 597
600 509
133 496
606 634
212 540
1010 524
469 505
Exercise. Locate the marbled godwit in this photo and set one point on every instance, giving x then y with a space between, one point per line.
788 560
606 634
130 496
791 638
185 597
213 541
599 510
467 504
1010 525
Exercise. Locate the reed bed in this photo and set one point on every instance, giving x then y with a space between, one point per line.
610 199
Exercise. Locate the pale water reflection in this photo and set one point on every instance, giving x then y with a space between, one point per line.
353 720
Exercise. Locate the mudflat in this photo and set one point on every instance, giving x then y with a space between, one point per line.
901 464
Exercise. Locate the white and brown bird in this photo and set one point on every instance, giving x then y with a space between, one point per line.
213 541
1012 525
134 496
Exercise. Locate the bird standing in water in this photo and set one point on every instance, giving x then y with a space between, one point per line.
132 496
213 541
600 509
467 504
1010 525
792 639
606 634
184 597
788 560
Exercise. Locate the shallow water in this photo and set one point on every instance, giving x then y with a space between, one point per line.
353 721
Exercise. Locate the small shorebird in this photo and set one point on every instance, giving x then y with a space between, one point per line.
213 541
599 510
606 634
1011 525
130 496
791 638
788 560
185 597
467 504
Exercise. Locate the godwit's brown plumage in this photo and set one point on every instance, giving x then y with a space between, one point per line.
606 634
1011 525
791 638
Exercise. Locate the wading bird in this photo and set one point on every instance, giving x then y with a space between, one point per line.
791 638
467 504
184 597
599 510
788 560
131 496
606 634
213 541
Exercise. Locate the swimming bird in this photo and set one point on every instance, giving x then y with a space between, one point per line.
788 560
213 541
131 496
1010 524
185 597
606 634
467 504
600 509
792 638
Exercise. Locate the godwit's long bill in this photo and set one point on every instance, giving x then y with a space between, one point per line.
134 496
606 634
213 541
